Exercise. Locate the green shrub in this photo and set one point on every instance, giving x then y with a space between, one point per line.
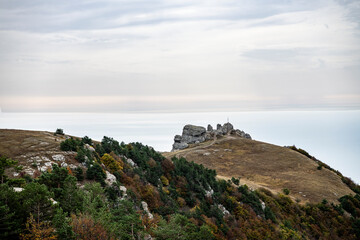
79 174
87 140
70 144
59 131
95 172
286 191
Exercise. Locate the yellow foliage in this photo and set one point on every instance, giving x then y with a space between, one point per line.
38 230
240 212
165 190
164 180
181 202
112 164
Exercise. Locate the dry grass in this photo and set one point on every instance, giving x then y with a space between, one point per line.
269 166
24 146
14 143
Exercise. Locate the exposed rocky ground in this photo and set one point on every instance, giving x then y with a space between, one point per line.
35 151
196 134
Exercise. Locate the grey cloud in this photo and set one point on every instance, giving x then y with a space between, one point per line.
272 54
50 16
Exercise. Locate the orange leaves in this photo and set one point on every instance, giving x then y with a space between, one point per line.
38 230
87 229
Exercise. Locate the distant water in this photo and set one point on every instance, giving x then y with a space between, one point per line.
331 136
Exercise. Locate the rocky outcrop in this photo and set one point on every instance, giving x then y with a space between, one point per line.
193 134
196 134
146 210
110 178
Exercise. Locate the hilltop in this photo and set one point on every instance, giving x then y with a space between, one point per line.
264 165
66 187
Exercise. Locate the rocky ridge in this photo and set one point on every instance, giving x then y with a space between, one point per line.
197 134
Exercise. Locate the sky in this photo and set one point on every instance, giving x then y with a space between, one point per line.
179 56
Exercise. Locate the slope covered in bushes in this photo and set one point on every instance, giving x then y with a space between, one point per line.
152 196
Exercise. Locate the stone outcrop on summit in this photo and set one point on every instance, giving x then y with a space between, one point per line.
196 134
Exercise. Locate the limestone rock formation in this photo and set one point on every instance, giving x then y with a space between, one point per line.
196 134
192 134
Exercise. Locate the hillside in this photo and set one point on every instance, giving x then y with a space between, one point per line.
35 150
63 187
260 164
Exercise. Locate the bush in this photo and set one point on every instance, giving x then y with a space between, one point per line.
69 144
79 174
87 140
59 131
96 172
236 181
286 191
112 164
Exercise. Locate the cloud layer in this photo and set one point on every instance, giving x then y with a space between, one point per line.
179 56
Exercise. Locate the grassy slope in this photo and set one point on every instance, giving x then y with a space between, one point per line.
27 146
260 164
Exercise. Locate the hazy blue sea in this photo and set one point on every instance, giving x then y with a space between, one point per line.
331 136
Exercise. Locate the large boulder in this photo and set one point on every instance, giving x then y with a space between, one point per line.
227 128
192 134
110 178
210 128
179 145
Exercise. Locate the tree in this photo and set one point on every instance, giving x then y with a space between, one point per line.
70 144
63 226
125 222
86 228
112 164
79 174
72 198
5 163
87 140
38 230
179 227
36 201
59 131
11 214
286 191
96 172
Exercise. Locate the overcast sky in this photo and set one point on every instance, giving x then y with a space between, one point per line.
179 55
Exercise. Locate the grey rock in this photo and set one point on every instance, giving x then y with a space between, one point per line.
227 128
218 126
247 136
242 134
146 209
192 133
90 148
210 128
218 133
110 178
177 138
179 146
223 209
58 157
209 136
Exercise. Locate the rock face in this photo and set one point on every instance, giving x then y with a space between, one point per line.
192 134
196 134
110 178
